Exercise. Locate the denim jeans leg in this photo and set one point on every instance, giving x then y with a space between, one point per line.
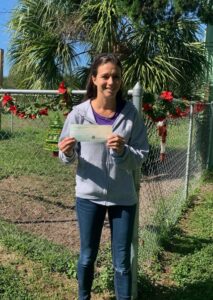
122 223
90 219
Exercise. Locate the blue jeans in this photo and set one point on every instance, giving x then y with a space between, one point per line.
91 219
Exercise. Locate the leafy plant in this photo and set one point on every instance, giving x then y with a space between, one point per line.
11 286
54 257
194 268
104 270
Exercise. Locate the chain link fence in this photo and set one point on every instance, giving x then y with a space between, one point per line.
167 183
37 192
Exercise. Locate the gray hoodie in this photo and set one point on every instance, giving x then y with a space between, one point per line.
102 175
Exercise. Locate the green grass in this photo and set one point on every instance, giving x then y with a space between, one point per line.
41 260
11 286
165 214
22 279
54 257
34 268
22 151
183 270
177 134
197 266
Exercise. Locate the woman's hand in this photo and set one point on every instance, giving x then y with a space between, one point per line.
117 143
67 145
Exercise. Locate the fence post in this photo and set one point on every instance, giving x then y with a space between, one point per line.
188 155
210 152
137 101
209 43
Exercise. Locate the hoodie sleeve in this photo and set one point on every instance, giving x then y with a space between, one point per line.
137 148
71 119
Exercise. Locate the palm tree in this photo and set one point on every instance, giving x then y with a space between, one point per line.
160 48
164 56
39 52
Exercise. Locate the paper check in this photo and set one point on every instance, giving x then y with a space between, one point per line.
91 132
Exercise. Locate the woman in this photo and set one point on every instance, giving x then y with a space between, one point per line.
104 179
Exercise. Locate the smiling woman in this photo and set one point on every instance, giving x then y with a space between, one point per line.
107 83
104 180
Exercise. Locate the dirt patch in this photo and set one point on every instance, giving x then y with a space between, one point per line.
43 207
46 208
6 257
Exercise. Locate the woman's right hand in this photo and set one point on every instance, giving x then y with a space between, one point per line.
67 145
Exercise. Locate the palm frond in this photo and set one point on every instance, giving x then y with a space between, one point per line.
36 46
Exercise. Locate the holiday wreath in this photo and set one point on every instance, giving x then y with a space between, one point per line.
160 108
36 109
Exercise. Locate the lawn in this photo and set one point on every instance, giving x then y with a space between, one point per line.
34 268
39 242
183 270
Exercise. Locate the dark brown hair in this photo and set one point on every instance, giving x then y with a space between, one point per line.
101 59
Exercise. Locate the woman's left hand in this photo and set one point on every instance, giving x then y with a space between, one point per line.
116 142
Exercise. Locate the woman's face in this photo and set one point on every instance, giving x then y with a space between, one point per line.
107 81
